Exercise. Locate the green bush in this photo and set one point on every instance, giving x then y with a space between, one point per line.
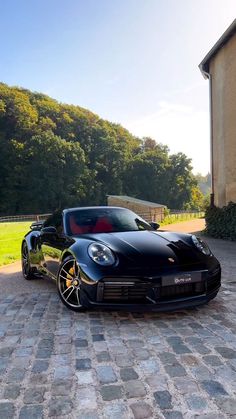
221 222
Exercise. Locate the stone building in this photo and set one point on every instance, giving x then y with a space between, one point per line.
150 211
219 66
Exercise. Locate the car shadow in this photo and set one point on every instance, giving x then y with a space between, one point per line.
14 283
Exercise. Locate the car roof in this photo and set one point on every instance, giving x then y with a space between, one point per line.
66 210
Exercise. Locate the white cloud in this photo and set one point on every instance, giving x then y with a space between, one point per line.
180 127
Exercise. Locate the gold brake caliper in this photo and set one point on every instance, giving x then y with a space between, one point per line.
69 277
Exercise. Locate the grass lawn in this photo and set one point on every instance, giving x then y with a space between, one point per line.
11 235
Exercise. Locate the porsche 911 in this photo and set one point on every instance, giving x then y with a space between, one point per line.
111 258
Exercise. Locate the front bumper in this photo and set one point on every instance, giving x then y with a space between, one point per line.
152 294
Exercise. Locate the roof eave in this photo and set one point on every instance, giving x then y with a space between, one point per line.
204 65
204 70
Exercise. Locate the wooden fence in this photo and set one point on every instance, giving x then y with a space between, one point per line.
29 217
174 214
188 214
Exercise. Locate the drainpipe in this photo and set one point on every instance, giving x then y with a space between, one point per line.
212 203
208 75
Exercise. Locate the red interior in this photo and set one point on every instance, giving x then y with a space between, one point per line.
76 229
103 225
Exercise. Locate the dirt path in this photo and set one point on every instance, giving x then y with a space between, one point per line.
191 226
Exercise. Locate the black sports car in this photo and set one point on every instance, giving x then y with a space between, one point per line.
110 257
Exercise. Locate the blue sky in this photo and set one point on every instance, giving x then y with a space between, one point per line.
130 61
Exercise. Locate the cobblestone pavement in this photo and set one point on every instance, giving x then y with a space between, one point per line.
57 363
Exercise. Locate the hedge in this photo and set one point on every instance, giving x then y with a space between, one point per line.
221 222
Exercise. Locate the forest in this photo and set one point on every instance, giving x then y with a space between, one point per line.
54 155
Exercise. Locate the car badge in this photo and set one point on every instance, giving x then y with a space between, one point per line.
171 260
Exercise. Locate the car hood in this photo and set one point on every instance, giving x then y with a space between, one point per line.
150 247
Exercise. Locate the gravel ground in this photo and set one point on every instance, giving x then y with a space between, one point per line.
97 364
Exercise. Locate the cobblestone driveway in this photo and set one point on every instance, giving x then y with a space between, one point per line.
56 363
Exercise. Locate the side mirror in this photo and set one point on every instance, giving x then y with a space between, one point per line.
49 230
155 226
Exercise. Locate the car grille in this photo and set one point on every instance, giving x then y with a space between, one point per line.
184 290
126 292
214 280
135 291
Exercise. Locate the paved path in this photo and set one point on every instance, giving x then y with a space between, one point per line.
56 363
12 282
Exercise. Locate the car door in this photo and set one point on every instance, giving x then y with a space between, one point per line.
52 243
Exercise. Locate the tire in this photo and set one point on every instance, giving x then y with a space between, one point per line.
69 283
27 271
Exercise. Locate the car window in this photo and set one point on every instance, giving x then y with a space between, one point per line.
92 221
55 220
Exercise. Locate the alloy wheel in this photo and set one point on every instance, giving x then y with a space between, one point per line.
69 284
25 261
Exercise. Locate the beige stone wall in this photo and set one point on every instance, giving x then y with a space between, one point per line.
223 74
148 213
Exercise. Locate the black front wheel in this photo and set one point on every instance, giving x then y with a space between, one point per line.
69 284
27 271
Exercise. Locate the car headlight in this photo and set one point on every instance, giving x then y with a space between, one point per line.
201 245
101 254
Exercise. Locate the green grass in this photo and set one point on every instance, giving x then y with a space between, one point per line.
11 235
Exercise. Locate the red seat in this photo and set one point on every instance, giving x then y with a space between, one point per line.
76 229
103 225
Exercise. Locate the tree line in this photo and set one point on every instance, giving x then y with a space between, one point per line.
54 155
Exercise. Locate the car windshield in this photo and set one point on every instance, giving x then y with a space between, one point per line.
99 220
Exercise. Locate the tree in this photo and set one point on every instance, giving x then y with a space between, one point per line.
48 174
54 155
204 183
196 202
145 176
19 116
149 144
180 180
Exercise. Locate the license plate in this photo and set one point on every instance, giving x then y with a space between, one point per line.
182 278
